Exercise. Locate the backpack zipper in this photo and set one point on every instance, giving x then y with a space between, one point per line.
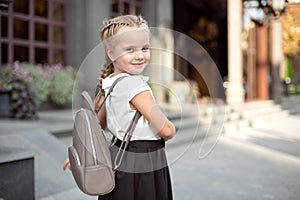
73 150
91 138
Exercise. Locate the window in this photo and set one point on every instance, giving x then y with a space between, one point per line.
58 35
21 6
41 32
21 53
33 31
58 11
121 7
41 55
4 25
41 8
21 29
4 55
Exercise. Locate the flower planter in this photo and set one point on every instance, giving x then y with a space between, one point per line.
5 95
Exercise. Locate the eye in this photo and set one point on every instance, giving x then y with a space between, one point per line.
129 49
145 48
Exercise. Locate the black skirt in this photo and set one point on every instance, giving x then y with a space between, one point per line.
143 174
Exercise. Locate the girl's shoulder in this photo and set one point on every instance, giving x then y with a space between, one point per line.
133 82
108 81
129 82
136 79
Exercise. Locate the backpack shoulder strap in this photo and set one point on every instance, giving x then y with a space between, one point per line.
111 89
126 140
89 100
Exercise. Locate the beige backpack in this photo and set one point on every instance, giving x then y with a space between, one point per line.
90 157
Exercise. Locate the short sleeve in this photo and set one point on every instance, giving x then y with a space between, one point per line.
134 85
119 113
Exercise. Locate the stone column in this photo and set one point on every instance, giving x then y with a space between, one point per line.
83 31
276 58
161 69
262 62
84 23
96 12
74 34
251 66
235 91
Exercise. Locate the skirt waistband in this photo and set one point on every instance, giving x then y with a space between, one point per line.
143 143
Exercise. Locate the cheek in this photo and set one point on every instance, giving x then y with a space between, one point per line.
147 56
126 58
118 54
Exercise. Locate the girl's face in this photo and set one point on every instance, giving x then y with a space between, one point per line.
130 50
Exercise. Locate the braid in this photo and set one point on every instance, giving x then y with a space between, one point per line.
110 28
108 69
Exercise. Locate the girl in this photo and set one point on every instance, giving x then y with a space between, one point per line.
144 173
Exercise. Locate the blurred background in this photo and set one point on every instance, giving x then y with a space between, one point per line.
253 44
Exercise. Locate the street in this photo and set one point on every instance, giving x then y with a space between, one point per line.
262 162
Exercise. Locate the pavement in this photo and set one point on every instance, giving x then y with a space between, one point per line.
261 162
37 138
258 162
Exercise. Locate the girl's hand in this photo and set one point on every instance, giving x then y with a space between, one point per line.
67 164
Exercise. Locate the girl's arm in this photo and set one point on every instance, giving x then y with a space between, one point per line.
145 103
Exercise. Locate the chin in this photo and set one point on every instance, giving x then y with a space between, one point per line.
137 71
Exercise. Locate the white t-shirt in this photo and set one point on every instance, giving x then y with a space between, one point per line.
118 111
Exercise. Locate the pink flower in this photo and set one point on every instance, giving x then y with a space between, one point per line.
57 67
17 65
23 72
69 68
47 75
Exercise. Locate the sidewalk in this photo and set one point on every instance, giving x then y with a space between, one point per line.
262 162
36 138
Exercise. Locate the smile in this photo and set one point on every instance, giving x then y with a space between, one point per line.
138 64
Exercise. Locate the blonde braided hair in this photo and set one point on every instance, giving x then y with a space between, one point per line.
110 28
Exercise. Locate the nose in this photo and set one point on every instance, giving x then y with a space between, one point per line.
139 55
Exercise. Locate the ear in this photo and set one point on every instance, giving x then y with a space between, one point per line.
110 54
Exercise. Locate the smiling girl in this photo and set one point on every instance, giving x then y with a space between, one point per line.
144 172
126 40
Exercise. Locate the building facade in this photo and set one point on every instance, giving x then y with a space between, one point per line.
34 31
66 31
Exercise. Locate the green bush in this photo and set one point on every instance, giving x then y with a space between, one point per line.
40 81
288 72
37 84
294 89
23 104
61 87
